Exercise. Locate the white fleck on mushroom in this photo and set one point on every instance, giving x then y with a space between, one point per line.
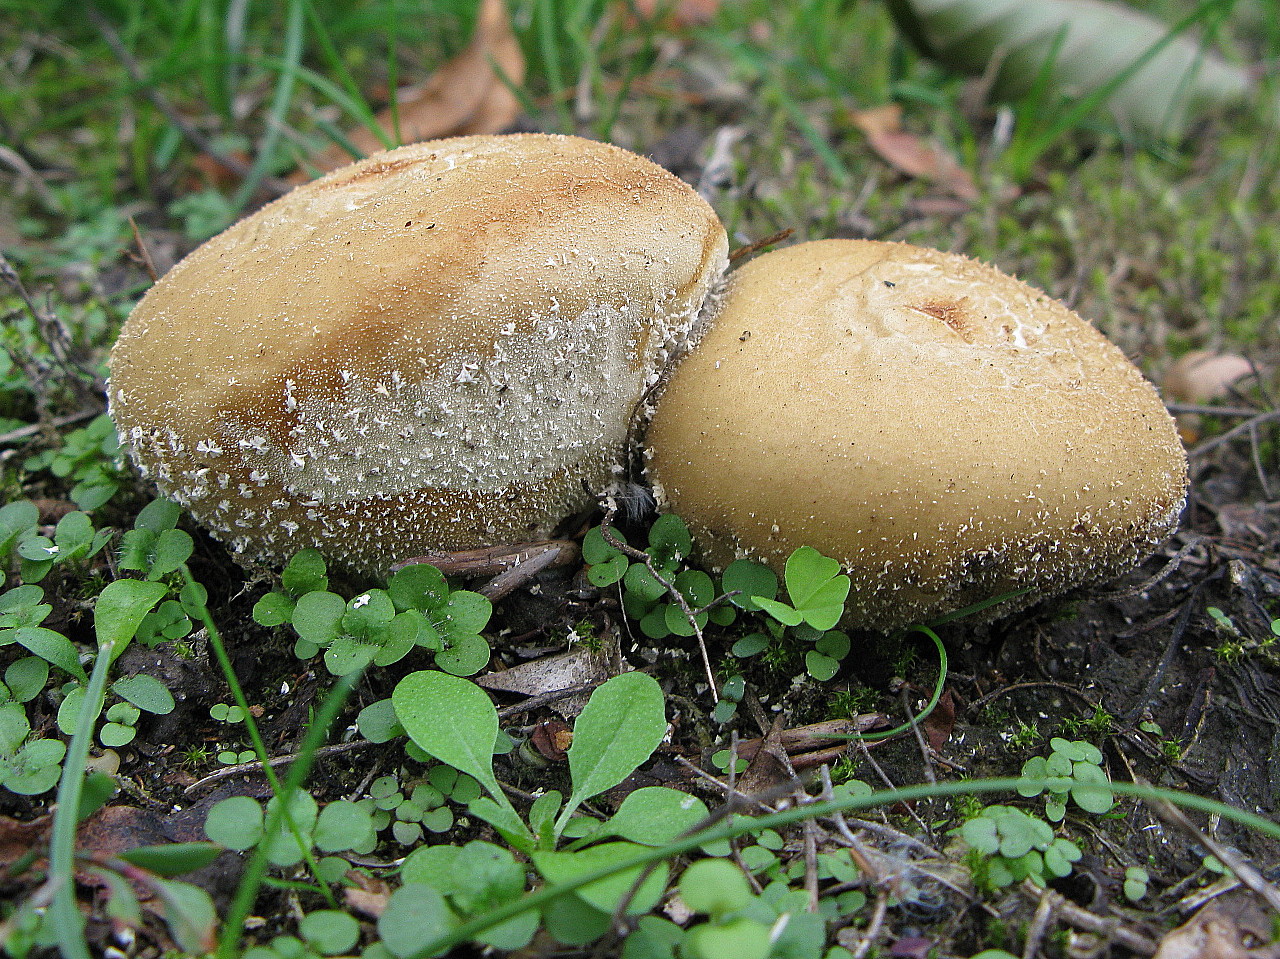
949 434
379 296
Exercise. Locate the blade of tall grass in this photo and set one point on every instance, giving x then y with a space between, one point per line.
280 102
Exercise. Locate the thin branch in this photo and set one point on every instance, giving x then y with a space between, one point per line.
622 546
1239 429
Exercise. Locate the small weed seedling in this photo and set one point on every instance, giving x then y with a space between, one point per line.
90 457
379 626
74 539
1074 771
1012 845
816 587
617 731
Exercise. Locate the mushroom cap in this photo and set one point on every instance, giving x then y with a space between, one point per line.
946 432
437 347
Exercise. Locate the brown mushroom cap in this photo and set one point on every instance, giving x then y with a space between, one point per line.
434 348
946 432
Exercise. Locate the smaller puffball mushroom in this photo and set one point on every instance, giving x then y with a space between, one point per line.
949 434
438 347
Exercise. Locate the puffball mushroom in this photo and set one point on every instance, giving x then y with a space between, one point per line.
949 434
439 347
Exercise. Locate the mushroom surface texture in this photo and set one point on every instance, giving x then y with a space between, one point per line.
946 432
439 347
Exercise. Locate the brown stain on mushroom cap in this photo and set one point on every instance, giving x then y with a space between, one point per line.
445 341
946 432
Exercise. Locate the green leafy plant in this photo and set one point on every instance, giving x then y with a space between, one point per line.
619 728
379 626
90 457
816 587
22 610
1013 845
646 597
155 546
1136 880
74 539
735 921
27 766
241 823
1073 771
138 694
423 807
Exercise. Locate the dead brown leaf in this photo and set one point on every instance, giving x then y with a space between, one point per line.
939 723
1200 377
578 667
369 896
17 839
910 155
1233 926
466 96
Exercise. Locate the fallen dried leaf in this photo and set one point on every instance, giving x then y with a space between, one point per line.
18 838
1234 926
770 767
910 155
1200 377
467 95
580 667
552 739
939 723
369 897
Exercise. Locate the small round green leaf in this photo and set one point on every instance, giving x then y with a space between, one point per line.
235 823
329 931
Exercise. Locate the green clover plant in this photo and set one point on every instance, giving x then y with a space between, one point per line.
1012 845
379 626
90 457
618 730
1074 771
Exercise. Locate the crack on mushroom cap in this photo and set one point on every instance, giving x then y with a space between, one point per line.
939 468
433 348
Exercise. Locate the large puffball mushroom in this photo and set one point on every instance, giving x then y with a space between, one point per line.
949 434
439 347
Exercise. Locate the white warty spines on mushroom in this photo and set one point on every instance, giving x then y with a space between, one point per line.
439 347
